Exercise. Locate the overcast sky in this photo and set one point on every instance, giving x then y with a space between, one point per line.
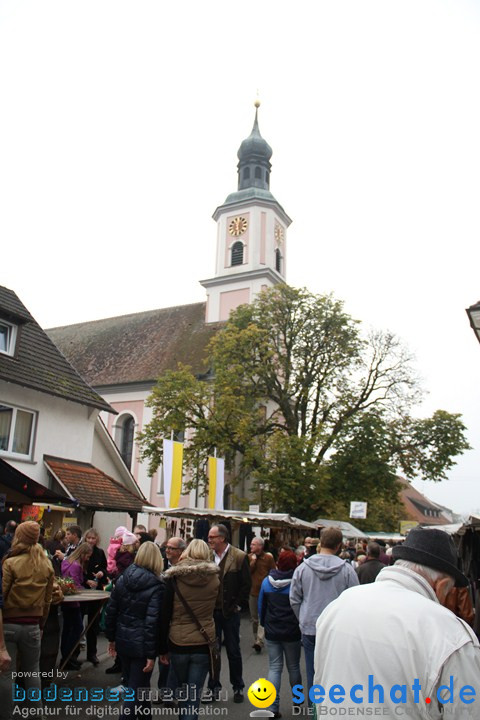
119 127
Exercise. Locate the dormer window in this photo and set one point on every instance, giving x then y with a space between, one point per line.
8 336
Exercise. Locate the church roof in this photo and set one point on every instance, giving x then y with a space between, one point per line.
137 348
37 363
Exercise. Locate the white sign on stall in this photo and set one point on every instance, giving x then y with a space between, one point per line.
358 510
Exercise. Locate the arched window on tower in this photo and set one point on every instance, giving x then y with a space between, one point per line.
258 173
278 261
246 173
124 437
237 253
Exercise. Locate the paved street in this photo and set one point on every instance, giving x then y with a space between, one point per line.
255 666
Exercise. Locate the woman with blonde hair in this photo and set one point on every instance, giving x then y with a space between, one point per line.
74 566
187 630
96 578
27 592
132 620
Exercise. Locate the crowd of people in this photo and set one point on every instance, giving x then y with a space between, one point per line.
179 603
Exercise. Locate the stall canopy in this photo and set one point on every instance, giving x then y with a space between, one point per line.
348 530
22 489
452 528
272 520
387 536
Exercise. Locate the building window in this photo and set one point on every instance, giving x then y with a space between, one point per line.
258 173
237 253
246 173
125 437
16 430
8 335
278 261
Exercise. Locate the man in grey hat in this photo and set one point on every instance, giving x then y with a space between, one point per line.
393 647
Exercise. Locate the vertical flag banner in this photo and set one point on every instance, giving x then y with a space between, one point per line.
172 472
216 483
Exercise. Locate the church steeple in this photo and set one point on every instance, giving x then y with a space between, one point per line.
254 159
251 233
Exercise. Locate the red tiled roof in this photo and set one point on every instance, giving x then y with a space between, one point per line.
92 488
416 504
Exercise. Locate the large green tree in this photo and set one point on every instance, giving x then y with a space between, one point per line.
291 387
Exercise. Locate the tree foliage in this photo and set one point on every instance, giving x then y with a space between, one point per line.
298 400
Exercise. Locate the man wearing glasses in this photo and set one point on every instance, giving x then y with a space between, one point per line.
173 549
235 584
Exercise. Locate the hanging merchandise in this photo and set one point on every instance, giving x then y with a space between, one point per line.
32 512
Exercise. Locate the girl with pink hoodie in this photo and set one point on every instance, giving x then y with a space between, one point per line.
115 544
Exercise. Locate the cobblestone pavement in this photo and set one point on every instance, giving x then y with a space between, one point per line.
254 666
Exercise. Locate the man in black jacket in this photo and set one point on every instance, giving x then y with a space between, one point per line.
368 570
235 584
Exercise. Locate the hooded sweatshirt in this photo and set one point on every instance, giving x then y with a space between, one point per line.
315 583
275 613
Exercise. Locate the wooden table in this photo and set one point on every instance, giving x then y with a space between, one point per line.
87 595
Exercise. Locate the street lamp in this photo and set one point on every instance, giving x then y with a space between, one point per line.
473 313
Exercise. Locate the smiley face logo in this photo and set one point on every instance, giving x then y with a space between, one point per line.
262 693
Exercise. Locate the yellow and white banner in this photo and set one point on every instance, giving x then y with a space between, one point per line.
172 472
216 483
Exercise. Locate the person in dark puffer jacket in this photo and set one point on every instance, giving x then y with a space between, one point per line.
132 620
282 632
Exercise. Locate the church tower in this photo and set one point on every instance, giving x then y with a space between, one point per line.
251 233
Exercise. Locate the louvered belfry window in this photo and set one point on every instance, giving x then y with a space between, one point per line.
237 253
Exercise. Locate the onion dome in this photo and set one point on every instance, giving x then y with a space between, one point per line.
254 159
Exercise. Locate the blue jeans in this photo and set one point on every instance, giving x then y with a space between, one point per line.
135 678
23 645
308 642
167 680
276 650
230 627
191 670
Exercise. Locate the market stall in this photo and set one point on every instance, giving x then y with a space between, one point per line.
276 528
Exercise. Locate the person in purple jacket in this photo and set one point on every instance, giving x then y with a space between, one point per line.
74 566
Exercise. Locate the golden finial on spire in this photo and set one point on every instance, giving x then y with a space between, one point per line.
257 103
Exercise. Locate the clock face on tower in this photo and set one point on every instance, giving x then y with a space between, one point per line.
237 226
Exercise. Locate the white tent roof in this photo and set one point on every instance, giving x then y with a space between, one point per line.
348 530
257 518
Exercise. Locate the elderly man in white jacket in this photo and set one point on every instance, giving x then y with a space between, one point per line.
390 647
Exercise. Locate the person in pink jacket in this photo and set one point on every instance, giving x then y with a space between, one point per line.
115 544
